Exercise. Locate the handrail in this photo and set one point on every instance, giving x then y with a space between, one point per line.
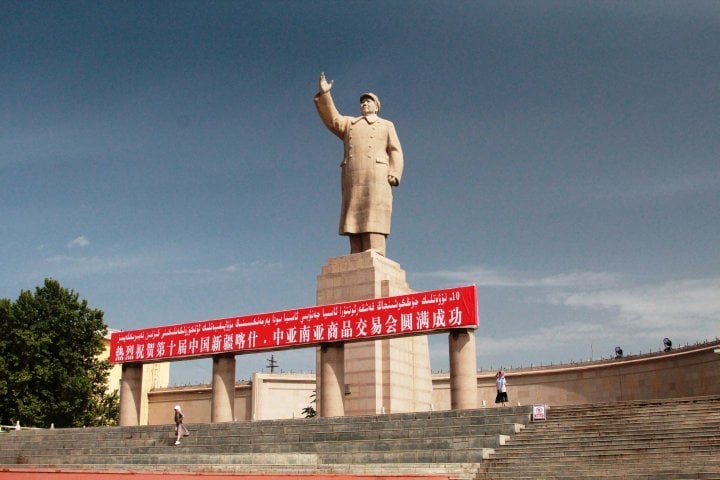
7 428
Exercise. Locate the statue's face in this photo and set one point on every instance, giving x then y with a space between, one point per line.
368 106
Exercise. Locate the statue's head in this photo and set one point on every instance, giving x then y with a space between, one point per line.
369 104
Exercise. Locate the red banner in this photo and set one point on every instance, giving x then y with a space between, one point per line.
413 313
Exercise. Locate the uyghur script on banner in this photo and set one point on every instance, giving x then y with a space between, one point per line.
414 313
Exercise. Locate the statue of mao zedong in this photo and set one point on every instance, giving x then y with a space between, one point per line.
372 164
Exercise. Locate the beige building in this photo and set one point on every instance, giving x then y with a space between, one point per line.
683 372
393 375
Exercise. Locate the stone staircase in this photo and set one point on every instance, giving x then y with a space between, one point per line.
451 443
659 440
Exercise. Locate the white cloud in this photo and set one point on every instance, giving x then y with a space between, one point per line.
591 280
480 276
244 268
686 303
678 302
70 265
538 338
252 266
80 242
599 309
485 277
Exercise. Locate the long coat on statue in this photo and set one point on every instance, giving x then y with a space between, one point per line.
372 152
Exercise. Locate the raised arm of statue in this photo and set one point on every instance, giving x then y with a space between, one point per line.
333 120
324 85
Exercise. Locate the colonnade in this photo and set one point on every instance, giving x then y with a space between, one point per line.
378 375
463 381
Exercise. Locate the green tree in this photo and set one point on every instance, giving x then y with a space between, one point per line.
53 375
5 307
310 411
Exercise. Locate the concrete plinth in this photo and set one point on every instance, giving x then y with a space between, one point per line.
463 369
130 394
331 380
223 389
380 376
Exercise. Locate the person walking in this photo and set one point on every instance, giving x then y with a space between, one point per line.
180 428
501 384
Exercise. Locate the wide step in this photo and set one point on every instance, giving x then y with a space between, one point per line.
450 442
660 440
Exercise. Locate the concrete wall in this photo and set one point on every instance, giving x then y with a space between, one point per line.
267 396
281 395
195 403
686 372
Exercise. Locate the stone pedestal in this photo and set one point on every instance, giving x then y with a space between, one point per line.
380 376
223 389
130 394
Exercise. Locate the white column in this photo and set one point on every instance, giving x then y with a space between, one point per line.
463 369
130 394
223 389
332 377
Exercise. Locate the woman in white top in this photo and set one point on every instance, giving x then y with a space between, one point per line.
180 428
502 395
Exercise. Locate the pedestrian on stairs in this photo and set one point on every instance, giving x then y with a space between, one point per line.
502 395
180 429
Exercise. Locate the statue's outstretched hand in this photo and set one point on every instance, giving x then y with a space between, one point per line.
324 85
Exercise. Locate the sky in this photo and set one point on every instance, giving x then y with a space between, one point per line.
164 160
